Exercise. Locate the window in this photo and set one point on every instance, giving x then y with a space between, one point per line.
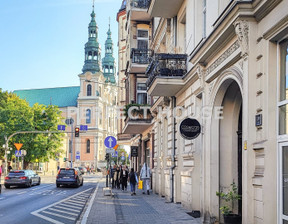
89 90
141 93
283 88
88 116
88 146
142 39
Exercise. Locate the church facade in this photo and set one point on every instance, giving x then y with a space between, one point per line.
92 104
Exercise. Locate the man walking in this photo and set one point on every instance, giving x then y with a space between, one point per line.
145 175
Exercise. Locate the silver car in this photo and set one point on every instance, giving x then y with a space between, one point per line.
22 178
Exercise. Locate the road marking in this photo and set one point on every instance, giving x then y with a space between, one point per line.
69 209
85 217
61 211
61 216
64 201
71 203
81 202
70 206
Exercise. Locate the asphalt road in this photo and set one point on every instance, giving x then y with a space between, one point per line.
45 203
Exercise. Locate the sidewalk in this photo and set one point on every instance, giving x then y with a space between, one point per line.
125 209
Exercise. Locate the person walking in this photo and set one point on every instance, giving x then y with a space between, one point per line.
124 178
117 178
133 181
111 173
145 175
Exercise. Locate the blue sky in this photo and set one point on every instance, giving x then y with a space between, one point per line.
42 41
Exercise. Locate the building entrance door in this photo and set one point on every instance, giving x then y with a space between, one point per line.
283 163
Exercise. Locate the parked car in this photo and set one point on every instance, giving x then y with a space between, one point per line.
69 176
82 169
22 178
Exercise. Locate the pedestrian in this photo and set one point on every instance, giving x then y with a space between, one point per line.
1 172
145 175
9 168
92 169
88 170
112 171
133 181
117 178
124 178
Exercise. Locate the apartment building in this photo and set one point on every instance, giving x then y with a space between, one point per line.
223 63
134 37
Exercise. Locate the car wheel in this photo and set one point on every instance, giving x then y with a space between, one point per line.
29 184
7 186
82 182
39 182
77 183
57 185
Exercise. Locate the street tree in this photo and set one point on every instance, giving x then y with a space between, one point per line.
17 115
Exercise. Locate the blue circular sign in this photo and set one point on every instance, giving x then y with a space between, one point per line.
110 141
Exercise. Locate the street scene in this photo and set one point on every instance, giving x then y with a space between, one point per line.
144 111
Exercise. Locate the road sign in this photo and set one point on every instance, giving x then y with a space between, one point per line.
18 153
114 154
23 152
18 146
61 127
77 153
123 157
69 121
108 150
83 127
78 157
110 142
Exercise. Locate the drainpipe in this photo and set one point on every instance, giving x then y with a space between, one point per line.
173 150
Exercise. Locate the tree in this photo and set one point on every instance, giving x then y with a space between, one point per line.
17 115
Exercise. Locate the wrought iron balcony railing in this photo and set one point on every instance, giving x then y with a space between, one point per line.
140 56
142 4
166 65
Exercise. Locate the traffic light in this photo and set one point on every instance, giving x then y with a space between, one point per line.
76 132
107 157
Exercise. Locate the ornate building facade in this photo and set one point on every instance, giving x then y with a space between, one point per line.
93 103
223 63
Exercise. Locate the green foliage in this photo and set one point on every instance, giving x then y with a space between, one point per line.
116 159
230 197
17 115
136 112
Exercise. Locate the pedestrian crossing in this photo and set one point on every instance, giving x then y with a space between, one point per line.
65 211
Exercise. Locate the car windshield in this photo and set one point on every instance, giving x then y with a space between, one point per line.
16 173
67 172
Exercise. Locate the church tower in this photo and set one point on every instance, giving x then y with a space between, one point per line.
108 62
92 48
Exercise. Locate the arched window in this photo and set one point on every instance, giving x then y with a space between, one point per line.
89 90
88 146
88 116
89 55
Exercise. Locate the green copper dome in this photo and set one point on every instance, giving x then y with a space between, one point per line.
92 48
108 62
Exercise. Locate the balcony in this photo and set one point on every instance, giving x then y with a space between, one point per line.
139 10
164 8
123 137
165 74
139 60
137 120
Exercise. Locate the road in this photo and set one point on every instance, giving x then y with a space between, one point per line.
45 203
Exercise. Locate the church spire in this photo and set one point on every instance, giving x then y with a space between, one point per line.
92 47
108 62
